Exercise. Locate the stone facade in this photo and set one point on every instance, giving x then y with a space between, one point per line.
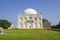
30 21
46 24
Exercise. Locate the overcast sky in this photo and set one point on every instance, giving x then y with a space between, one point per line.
50 9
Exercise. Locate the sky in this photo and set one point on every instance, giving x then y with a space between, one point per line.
50 9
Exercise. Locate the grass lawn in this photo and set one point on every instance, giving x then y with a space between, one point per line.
30 34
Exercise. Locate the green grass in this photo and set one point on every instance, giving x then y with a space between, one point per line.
30 34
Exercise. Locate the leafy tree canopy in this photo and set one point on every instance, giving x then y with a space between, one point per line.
4 23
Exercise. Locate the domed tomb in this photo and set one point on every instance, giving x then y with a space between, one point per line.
30 11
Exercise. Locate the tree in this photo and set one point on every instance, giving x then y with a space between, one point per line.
56 26
5 23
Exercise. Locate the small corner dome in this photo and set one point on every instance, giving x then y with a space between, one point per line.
30 11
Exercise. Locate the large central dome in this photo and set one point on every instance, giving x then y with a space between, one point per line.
30 11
